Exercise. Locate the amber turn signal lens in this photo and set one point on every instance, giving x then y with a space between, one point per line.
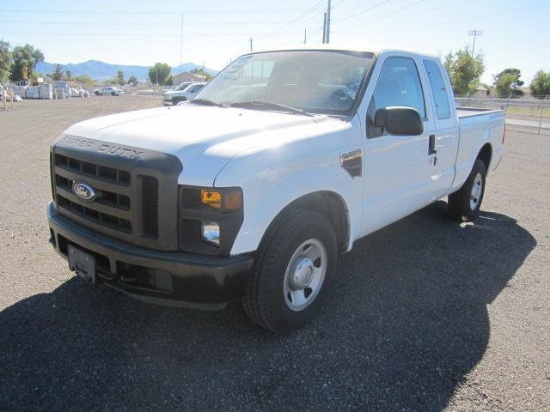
211 198
233 201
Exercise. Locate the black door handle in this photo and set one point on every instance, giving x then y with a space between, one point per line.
431 146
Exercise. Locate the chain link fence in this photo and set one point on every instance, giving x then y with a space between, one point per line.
533 115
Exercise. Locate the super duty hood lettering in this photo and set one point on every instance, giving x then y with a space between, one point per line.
77 141
110 149
119 151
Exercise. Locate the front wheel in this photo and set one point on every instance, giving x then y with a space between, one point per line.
292 271
464 204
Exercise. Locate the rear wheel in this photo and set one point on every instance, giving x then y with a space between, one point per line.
97 93
113 94
464 205
292 271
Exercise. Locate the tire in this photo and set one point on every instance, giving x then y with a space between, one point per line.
97 93
464 205
176 100
113 94
292 271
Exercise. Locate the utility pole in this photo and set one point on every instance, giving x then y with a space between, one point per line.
326 25
251 44
474 33
325 28
181 41
305 36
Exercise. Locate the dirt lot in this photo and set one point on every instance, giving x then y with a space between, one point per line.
426 315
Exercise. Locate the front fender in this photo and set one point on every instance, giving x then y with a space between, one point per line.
267 193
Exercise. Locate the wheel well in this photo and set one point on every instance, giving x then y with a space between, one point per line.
485 155
330 205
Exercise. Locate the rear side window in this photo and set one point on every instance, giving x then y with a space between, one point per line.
439 90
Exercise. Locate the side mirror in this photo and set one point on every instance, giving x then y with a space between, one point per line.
404 121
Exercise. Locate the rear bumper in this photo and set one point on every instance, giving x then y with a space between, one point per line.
169 278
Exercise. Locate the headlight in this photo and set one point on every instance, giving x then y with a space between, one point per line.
209 219
210 232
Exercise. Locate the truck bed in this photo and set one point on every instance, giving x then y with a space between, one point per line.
463 112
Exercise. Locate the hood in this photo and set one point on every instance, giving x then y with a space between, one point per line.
204 138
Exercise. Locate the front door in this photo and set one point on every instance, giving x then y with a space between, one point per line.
397 169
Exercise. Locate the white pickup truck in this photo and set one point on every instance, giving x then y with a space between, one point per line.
251 190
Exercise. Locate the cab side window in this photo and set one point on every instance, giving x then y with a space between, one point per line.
439 91
398 85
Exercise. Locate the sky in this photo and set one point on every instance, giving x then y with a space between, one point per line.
509 33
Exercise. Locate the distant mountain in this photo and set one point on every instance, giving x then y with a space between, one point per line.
98 70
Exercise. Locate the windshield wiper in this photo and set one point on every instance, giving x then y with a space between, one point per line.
206 102
261 105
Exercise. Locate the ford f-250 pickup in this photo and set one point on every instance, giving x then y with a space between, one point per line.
252 189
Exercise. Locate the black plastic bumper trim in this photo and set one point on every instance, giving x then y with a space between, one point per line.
197 280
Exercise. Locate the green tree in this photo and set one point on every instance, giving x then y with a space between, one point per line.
57 74
507 83
68 75
5 61
464 70
540 86
159 73
24 62
119 78
86 81
133 80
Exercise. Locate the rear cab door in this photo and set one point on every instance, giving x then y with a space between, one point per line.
444 142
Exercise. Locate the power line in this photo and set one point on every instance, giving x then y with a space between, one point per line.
147 13
297 19
116 23
355 14
104 34
387 15
440 23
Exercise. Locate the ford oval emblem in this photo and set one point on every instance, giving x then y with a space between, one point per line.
84 191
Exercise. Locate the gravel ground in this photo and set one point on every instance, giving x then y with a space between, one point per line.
426 315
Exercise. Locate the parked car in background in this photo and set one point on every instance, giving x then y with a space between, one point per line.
186 93
180 86
108 90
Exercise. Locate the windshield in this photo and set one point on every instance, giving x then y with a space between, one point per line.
181 86
318 81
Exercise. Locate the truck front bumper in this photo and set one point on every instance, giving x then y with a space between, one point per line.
169 278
